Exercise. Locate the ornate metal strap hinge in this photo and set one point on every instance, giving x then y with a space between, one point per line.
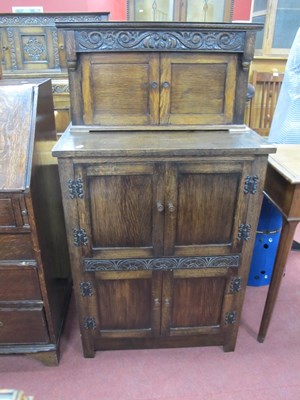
244 232
76 188
230 317
89 323
251 183
235 284
80 237
86 289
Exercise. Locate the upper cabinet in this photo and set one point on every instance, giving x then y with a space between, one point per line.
169 89
135 75
180 10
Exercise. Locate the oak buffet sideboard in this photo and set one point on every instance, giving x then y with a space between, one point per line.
161 182
35 281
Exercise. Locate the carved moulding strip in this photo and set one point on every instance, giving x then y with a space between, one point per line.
58 88
115 40
46 20
55 48
13 55
161 263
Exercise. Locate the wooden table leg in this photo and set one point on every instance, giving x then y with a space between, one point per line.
284 247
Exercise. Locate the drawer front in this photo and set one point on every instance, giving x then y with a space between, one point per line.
19 283
22 326
13 212
16 247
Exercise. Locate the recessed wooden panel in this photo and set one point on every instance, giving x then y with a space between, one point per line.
121 90
206 208
124 304
23 326
197 89
16 247
17 283
121 210
7 216
197 302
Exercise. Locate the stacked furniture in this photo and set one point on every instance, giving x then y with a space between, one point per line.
35 282
161 182
31 46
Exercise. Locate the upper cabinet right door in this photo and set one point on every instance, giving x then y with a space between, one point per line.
193 89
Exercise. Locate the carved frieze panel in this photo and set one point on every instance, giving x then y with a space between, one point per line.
161 263
50 20
189 40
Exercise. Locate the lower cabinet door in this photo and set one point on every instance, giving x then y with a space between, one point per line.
194 301
128 303
23 326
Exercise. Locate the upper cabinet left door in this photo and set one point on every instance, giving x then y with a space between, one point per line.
122 89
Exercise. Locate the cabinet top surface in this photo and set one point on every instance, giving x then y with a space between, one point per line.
287 161
16 104
125 25
86 142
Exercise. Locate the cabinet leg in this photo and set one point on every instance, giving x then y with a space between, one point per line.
48 358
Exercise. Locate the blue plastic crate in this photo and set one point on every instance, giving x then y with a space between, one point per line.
266 244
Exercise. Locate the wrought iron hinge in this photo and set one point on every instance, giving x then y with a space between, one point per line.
244 232
251 183
235 284
89 323
75 188
80 237
86 289
230 317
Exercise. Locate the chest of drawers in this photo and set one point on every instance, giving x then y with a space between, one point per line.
35 280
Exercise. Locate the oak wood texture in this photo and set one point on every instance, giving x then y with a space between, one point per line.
180 74
34 264
32 47
126 214
282 186
154 170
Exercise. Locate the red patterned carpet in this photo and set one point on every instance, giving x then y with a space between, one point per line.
268 371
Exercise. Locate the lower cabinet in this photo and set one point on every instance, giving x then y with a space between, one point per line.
160 240
158 304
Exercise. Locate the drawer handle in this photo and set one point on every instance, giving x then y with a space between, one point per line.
24 212
171 207
154 85
160 207
167 302
166 85
1 324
